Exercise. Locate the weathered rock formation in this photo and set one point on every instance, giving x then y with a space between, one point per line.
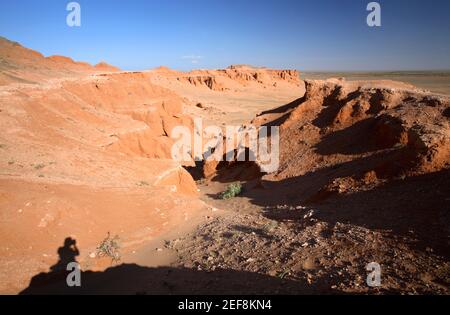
362 133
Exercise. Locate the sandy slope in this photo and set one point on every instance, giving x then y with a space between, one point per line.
76 163
82 155
86 151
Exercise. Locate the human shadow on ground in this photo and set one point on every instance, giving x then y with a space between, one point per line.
132 279
67 254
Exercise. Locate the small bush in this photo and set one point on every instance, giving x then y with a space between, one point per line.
39 166
109 247
232 191
282 274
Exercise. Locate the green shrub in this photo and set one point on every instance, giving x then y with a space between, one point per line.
232 191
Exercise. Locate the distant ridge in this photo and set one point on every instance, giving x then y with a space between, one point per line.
19 64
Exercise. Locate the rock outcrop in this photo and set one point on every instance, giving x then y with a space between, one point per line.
228 79
361 133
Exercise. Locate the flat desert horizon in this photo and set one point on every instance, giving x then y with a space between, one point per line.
235 180
436 81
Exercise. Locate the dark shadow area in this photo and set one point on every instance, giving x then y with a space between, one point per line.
300 189
376 103
133 279
239 168
332 106
228 172
417 207
250 230
351 140
196 171
446 112
285 110
231 168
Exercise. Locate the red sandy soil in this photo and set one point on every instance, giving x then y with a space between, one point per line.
85 150
231 96
364 177
81 156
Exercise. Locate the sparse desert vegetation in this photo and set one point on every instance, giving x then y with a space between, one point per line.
232 191
38 166
110 248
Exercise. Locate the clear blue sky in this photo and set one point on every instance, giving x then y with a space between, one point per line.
306 35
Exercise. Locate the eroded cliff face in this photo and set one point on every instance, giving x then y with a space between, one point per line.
361 133
86 150
82 157
228 79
